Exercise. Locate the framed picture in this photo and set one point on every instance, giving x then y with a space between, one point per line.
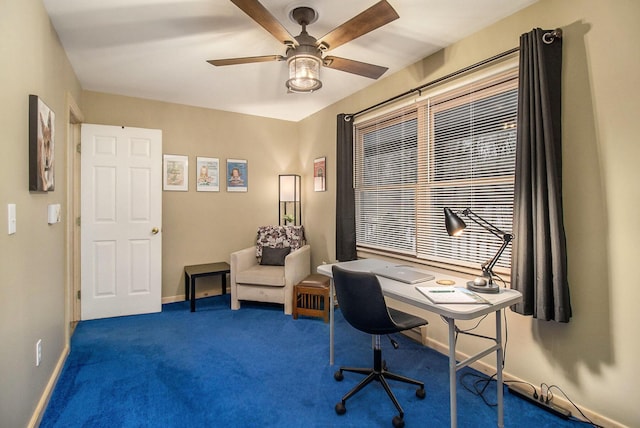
41 145
207 174
237 177
319 174
175 173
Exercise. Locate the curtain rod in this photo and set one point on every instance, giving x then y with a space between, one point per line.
547 38
438 80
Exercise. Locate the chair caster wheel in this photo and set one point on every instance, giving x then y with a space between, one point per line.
338 375
420 393
398 422
341 409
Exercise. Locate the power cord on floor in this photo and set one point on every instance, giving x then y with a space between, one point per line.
393 342
479 386
587 420
481 382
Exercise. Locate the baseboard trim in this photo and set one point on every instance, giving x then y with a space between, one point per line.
36 417
172 299
417 334
200 294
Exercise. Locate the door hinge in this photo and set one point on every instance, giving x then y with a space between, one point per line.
78 221
79 148
79 295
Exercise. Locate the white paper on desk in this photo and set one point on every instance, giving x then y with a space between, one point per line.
451 295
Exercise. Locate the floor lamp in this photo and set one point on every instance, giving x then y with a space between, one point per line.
289 206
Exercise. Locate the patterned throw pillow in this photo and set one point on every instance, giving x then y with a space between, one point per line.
279 237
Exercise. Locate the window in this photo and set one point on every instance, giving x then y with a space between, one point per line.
454 149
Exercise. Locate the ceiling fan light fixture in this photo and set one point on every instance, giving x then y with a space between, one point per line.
304 73
305 54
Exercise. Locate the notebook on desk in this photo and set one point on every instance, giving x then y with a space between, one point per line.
452 295
404 274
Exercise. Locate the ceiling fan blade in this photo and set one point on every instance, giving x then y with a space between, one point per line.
376 16
262 16
245 60
356 67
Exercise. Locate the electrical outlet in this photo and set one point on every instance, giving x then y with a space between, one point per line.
38 352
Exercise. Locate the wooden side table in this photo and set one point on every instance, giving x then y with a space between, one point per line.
197 271
311 297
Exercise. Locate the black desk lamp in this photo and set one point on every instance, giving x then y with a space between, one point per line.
455 226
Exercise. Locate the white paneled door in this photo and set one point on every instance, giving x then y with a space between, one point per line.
121 218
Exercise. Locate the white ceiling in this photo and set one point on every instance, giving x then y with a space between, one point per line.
157 49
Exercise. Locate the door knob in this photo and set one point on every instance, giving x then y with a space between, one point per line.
155 230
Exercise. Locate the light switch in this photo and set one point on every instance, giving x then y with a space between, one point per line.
53 213
11 217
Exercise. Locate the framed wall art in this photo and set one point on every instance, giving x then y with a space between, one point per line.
207 174
175 173
237 175
319 174
41 145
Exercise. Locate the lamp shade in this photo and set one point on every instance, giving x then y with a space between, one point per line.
455 225
289 188
304 73
289 195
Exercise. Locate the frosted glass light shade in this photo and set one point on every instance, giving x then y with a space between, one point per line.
304 73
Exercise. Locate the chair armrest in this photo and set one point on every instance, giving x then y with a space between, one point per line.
297 265
242 260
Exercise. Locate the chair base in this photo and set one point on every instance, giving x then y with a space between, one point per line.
380 374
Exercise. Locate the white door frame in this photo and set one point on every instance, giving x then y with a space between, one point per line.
72 271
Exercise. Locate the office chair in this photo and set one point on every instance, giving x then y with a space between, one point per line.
362 304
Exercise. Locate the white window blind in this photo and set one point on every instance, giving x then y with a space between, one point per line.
456 150
386 178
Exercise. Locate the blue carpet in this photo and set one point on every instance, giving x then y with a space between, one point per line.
251 368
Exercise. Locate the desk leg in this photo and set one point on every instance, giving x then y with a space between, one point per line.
452 373
331 319
193 293
499 363
186 286
224 283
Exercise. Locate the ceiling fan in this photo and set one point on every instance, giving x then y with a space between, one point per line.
305 53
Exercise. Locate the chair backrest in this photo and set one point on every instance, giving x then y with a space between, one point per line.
279 237
362 302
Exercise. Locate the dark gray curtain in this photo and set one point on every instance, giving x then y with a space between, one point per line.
345 199
539 259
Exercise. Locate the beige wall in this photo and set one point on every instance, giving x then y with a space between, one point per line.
203 227
594 357
32 262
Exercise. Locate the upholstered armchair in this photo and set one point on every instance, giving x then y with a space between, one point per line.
268 271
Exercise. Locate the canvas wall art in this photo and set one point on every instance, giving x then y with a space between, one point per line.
41 146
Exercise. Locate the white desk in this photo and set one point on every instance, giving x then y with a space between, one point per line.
408 294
